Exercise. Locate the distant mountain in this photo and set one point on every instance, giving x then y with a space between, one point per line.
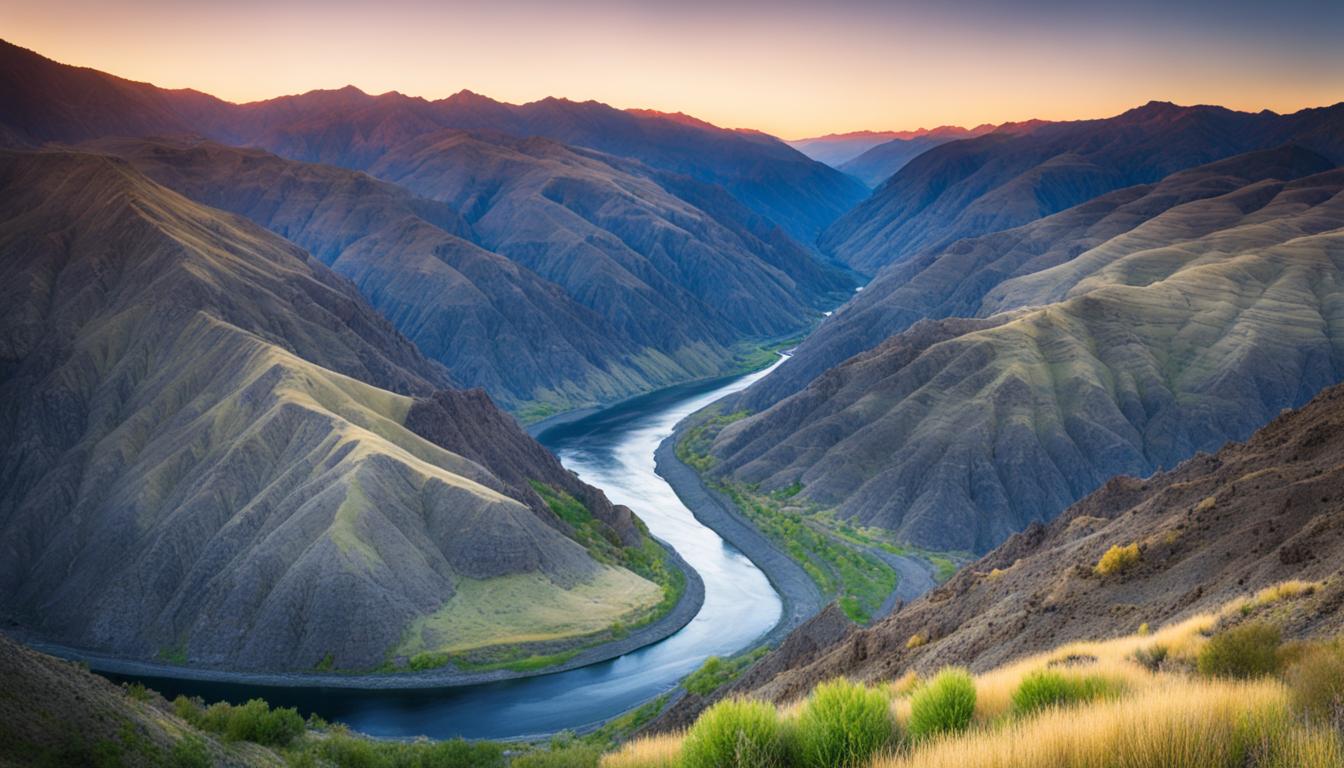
1216 528
1004 179
217 453
1137 341
491 320
641 263
837 149
877 163
45 101
955 281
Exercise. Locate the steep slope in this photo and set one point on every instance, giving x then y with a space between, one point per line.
1213 529
217 453
1194 329
954 281
878 162
607 231
686 268
56 713
1006 178
494 323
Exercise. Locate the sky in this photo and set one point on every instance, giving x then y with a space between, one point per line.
789 68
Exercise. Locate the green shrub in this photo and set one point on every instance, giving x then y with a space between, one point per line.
571 756
736 733
1043 688
257 722
190 752
1118 559
843 725
1151 658
1316 682
342 750
1243 652
945 705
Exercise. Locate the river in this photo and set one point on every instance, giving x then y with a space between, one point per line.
612 449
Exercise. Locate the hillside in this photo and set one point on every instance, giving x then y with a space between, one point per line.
1218 527
492 321
554 275
1004 179
241 455
954 281
1195 328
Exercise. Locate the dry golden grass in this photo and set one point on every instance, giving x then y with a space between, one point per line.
649 752
1159 719
1176 724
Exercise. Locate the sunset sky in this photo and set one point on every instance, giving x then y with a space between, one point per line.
792 69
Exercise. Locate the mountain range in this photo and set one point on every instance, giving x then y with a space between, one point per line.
665 247
1114 338
218 453
1007 178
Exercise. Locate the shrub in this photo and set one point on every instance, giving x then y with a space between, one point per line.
1118 559
1151 658
257 722
916 640
1316 682
843 724
945 705
190 752
736 733
572 756
1043 688
1243 652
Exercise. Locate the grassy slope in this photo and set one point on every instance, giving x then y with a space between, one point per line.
1141 716
1195 330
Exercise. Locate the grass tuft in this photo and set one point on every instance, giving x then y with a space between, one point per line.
944 706
736 733
842 725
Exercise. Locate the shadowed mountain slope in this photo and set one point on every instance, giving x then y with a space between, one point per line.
46 101
494 323
954 281
651 258
1213 529
1190 330
237 452
610 233
1004 179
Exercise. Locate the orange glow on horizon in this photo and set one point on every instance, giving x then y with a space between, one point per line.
799 72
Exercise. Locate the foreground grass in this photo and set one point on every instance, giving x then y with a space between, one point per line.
1222 693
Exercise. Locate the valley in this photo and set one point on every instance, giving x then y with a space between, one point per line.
345 426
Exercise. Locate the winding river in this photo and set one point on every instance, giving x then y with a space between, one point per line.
614 450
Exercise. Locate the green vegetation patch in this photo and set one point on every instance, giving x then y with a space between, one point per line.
693 448
843 725
648 558
1046 688
717 672
1243 652
944 706
737 733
